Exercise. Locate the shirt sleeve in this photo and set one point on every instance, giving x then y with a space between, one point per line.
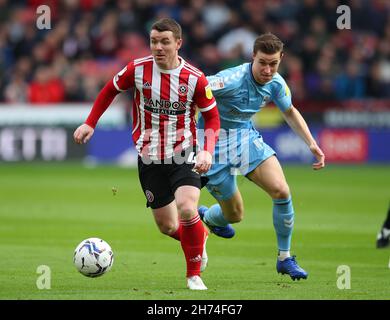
124 79
223 84
282 96
203 95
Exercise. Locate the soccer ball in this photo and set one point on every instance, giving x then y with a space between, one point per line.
93 257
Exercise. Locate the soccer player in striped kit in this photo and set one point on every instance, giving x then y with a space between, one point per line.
167 91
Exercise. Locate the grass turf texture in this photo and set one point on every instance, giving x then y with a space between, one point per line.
47 209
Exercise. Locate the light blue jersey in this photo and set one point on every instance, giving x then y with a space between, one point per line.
240 146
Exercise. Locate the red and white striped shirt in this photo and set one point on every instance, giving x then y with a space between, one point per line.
164 105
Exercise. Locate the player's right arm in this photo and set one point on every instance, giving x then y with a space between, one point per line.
296 122
294 119
122 81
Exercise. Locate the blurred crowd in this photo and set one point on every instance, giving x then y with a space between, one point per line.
90 40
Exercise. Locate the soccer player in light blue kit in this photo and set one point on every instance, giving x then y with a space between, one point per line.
240 93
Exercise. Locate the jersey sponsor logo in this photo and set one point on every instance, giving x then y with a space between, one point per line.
166 112
217 84
183 89
209 93
149 196
239 115
165 104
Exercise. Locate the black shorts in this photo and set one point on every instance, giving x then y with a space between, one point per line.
159 181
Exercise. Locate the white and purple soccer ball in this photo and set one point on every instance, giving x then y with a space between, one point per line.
93 257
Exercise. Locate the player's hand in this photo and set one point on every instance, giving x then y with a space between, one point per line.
203 163
320 156
83 133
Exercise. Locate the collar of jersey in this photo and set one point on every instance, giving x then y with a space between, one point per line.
155 65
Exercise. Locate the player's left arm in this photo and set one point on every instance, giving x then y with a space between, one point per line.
296 122
282 98
204 99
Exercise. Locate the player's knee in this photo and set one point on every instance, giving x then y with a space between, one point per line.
186 210
167 228
280 191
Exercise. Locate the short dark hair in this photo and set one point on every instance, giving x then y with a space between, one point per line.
268 43
167 24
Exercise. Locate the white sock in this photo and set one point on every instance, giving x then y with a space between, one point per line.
386 232
282 255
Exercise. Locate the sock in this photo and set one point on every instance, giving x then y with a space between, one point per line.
283 217
214 216
385 232
282 255
192 239
176 235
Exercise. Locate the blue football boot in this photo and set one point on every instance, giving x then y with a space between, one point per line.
224 232
290 266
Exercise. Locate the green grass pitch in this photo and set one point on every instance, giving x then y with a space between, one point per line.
47 209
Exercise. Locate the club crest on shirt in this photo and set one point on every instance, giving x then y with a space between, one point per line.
147 85
266 99
149 195
183 89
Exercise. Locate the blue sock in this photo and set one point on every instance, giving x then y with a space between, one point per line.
214 216
283 216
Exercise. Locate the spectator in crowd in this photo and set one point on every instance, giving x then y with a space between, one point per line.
350 84
16 90
46 87
217 33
